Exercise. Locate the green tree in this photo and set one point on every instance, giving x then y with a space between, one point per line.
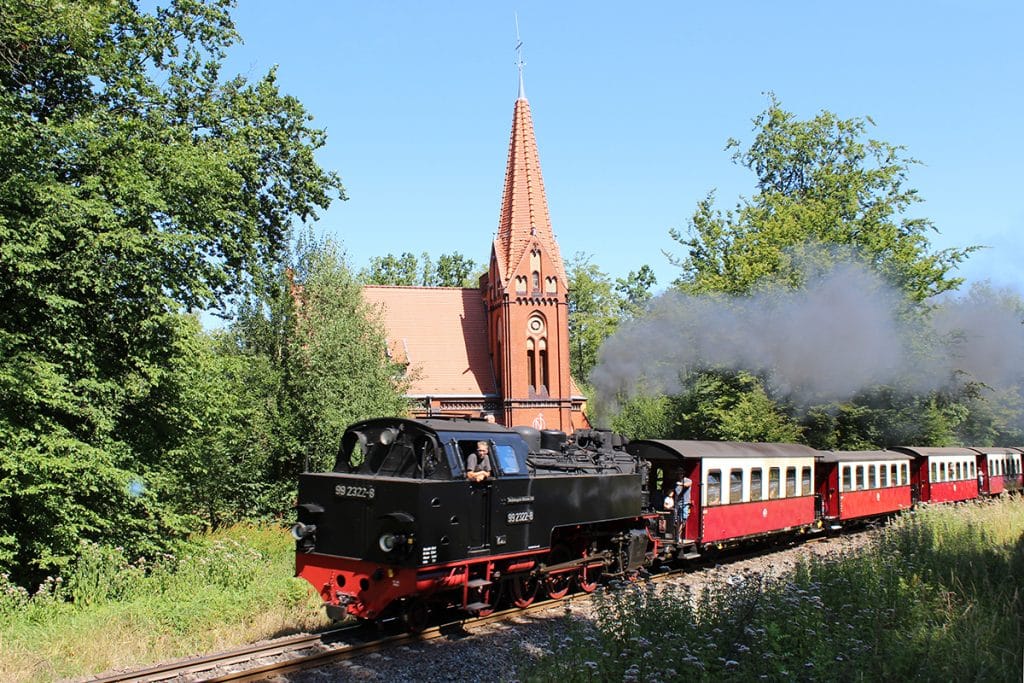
825 192
224 430
594 312
818 182
403 270
455 270
645 417
135 183
731 406
635 290
329 352
408 270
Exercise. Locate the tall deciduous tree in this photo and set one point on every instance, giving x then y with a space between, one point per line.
825 192
337 368
135 182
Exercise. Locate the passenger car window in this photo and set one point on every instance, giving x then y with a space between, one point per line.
883 476
714 487
735 486
847 478
756 482
805 481
894 474
860 478
872 481
790 481
773 483
903 474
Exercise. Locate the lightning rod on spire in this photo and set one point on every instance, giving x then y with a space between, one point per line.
519 58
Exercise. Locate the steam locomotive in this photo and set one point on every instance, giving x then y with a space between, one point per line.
397 529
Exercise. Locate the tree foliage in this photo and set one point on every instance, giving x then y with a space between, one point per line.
135 183
450 270
732 406
818 182
336 364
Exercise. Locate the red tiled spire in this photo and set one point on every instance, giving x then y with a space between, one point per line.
524 206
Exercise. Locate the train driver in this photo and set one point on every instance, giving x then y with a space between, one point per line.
478 465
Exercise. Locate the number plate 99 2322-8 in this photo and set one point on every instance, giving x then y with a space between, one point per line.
365 492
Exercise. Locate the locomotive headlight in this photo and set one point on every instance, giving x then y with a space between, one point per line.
389 541
301 531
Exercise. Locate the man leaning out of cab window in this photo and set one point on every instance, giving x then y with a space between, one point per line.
478 465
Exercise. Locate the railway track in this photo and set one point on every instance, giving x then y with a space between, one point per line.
260 662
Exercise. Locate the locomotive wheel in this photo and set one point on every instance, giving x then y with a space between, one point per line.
416 615
524 591
587 579
557 585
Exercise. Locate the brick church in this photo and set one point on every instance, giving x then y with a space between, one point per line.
501 348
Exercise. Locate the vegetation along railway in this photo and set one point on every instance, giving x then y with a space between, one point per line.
398 530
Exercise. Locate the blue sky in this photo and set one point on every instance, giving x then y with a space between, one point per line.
632 107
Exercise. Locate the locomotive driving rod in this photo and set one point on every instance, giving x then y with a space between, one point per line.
601 558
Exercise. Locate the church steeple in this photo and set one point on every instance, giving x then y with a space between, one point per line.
526 293
524 206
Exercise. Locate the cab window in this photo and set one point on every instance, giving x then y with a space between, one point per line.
507 460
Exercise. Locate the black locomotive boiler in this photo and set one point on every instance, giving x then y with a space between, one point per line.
397 528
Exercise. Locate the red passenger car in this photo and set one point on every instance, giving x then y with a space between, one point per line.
740 490
1018 478
855 485
998 470
943 475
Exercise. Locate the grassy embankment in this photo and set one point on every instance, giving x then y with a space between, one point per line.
229 588
938 597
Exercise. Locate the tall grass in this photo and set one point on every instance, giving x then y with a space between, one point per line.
937 598
229 588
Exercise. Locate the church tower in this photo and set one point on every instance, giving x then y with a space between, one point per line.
525 291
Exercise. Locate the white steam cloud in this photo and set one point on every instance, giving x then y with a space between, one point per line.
840 334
